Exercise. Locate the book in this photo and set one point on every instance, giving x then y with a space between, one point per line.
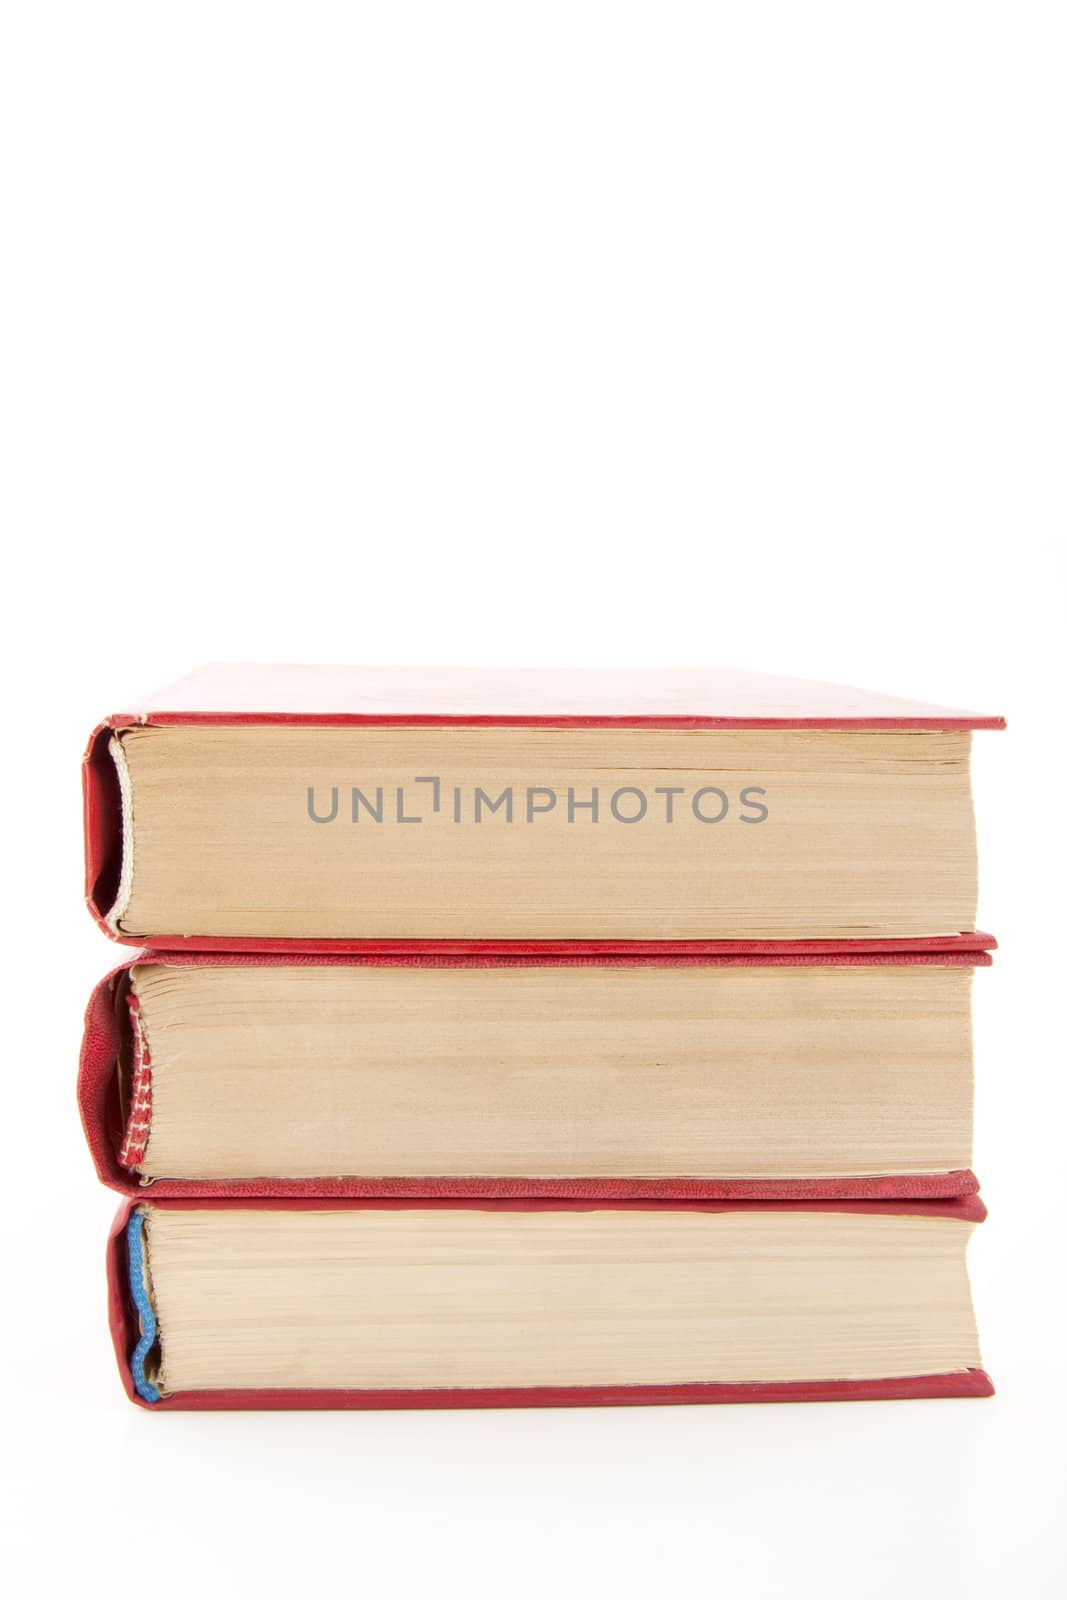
760 1076
258 807
413 1303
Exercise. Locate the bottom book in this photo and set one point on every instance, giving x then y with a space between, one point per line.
406 1303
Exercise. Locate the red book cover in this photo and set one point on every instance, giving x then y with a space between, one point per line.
241 695
128 1334
108 1129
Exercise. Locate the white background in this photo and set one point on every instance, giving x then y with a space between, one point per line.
510 334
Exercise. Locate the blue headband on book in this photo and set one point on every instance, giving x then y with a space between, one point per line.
139 1295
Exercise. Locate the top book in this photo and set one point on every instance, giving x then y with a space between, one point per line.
359 807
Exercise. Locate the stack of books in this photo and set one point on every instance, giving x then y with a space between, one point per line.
534 1038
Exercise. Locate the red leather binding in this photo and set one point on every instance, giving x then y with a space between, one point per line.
585 697
231 695
124 1332
102 823
98 1102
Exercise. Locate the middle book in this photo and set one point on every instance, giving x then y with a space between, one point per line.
761 1076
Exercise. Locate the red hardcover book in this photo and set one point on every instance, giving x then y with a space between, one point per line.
676 1077
393 809
379 1304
